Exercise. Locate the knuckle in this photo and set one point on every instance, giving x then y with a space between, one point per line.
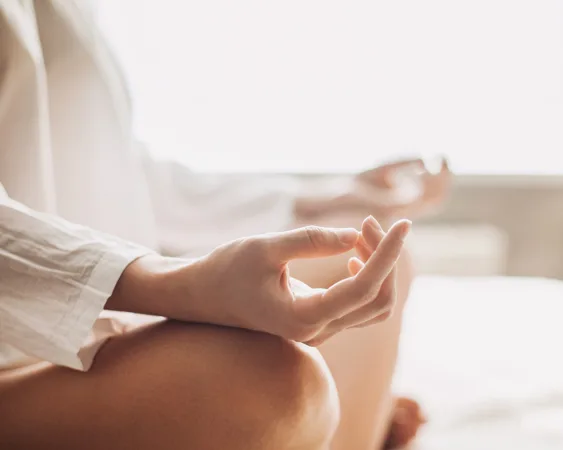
314 235
386 301
371 292
255 248
380 303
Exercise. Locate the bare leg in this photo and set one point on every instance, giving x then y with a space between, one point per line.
175 386
362 361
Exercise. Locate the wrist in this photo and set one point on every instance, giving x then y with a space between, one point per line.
144 286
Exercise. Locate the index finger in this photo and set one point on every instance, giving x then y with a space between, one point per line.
381 263
352 293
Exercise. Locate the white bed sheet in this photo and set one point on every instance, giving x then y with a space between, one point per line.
485 358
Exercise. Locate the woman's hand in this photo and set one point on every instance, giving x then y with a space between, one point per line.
398 189
246 283
432 187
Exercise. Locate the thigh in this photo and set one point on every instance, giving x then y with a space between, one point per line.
172 386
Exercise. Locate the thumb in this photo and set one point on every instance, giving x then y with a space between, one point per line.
311 242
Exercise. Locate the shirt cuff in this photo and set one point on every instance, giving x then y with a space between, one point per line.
71 334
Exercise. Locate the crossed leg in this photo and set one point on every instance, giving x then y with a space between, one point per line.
175 386
362 361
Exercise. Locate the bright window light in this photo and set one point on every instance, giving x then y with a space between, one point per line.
338 85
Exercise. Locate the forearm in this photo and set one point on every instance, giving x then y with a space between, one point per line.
55 278
195 212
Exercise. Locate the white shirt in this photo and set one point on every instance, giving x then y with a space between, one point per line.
66 151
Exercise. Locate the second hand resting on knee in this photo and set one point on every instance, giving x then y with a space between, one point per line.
246 283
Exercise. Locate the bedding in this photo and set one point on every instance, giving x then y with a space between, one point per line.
484 356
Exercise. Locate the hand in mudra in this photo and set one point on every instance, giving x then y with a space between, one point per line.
247 284
398 189
432 187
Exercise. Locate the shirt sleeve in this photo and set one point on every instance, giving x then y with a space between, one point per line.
195 212
55 278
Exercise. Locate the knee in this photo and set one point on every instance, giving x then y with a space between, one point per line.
239 386
289 391
280 391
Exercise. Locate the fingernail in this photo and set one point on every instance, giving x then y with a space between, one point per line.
348 236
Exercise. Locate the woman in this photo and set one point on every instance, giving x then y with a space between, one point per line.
67 151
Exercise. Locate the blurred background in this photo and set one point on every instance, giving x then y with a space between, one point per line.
287 86
271 82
